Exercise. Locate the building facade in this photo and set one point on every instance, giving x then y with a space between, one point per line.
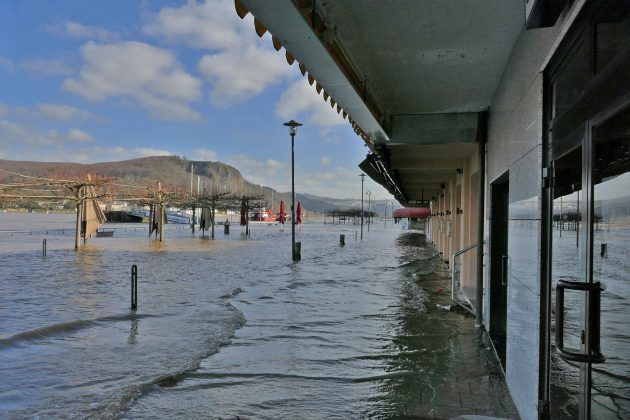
511 120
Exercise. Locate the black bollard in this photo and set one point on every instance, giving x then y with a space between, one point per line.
297 251
226 229
134 287
342 240
604 250
44 247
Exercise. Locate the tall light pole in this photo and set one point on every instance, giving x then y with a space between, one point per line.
293 125
369 194
362 180
385 215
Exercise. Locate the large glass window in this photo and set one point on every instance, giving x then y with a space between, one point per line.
610 389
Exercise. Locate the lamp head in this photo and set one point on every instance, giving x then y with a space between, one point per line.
293 125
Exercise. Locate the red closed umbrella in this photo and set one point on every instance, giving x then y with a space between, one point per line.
243 213
282 215
299 213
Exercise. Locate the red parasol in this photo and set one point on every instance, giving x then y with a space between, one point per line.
282 216
299 213
243 212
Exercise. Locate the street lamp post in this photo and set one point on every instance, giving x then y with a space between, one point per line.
385 215
362 180
293 125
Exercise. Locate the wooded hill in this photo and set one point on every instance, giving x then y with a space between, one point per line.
174 174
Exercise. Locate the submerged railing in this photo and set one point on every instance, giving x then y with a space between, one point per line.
456 269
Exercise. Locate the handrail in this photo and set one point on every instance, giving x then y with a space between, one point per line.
461 251
455 272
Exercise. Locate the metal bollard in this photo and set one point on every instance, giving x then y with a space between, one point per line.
342 240
134 287
44 247
604 250
297 251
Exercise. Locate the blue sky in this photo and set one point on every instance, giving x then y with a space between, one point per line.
87 81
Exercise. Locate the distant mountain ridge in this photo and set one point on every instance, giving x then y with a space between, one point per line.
174 173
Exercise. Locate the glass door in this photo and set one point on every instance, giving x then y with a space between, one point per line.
590 274
568 266
610 261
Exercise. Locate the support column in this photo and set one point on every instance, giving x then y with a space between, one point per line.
77 235
481 138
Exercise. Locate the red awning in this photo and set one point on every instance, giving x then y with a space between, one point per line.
413 212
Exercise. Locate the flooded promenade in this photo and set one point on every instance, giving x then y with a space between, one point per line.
232 327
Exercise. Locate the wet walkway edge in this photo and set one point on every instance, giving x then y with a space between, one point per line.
465 379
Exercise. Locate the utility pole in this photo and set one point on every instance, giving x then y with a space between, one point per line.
192 169
362 180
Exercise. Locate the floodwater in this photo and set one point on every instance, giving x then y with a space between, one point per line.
224 328
611 380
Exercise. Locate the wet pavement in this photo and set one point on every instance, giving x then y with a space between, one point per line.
465 379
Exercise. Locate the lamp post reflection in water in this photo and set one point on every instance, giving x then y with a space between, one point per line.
293 125
362 180
369 194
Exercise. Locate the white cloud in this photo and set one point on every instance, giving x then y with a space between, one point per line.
19 134
4 110
79 135
12 132
240 74
78 30
339 182
64 112
239 66
96 154
300 98
105 154
25 143
6 62
209 25
324 160
47 67
149 75
204 154
258 171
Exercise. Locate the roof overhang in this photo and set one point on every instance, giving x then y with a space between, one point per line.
414 77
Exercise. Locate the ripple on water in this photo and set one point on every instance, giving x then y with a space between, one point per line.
223 329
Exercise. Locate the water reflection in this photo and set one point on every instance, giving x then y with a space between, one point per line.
346 332
133 331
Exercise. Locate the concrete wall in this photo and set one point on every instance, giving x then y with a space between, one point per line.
459 193
515 146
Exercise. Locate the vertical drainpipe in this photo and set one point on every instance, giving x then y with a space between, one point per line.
482 134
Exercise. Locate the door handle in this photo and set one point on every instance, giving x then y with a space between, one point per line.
504 270
594 290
